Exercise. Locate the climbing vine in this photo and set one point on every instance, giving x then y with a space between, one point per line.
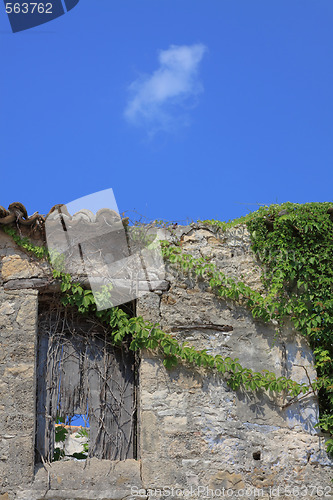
145 334
295 245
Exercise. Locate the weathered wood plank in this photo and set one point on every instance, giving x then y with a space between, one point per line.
77 370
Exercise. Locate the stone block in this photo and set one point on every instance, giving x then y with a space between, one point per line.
27 314
21 370
186 379
159 472
148 306
150 433
225 479
7 308
16 266
173 424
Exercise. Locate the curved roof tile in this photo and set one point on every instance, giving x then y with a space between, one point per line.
17 213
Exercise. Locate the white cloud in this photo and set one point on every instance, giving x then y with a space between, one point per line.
158 100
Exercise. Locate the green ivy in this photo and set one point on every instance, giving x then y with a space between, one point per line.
39 251
219 225
147 335
295 248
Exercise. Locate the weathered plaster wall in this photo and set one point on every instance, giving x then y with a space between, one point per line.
208 434
194 431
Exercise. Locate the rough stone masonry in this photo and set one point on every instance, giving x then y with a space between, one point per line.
196 437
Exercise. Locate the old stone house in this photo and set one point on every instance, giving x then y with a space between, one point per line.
181 432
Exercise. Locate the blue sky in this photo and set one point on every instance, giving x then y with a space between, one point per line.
186 108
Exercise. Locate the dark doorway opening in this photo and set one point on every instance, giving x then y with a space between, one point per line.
86 403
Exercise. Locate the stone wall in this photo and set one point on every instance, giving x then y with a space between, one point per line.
18 312
206 434
194 432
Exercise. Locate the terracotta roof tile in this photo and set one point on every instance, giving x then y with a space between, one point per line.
17 213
